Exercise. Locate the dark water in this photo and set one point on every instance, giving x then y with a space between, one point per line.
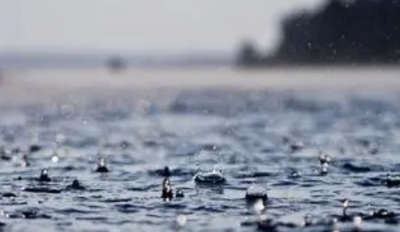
245 132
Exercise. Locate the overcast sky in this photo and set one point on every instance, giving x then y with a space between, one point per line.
141 25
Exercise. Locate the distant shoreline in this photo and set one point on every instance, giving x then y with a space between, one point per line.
262 67
278 77
317 66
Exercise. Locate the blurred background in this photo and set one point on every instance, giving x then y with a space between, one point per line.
45 33
184 42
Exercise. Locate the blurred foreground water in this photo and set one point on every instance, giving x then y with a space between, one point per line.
248 131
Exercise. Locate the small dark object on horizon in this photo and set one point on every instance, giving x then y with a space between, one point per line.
249 54
116 64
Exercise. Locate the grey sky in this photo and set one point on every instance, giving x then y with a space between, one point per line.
144 25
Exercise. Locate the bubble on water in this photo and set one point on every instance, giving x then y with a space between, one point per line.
357 220
258 207
55 158
181 220
102 162
218 168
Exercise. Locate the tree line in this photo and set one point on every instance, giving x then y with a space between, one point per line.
341 32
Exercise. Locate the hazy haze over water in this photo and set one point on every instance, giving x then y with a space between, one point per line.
141 25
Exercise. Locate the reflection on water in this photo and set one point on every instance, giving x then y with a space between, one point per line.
250 134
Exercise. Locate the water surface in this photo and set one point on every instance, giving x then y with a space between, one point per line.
244 131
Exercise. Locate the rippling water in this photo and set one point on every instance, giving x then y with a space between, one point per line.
248 133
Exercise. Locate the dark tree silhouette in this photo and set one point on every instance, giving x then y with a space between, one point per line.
248 54
342 32
365 31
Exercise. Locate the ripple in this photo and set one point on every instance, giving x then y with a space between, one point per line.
42 190
197 129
